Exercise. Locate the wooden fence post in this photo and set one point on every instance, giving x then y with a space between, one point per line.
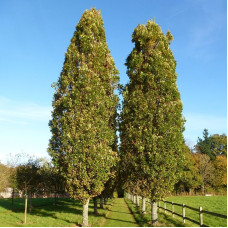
201 216
172 210
183 213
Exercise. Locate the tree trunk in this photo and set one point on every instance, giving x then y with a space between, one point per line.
95 205
134 199
85 214
30 203
55 195
203 189
144 205
154 213
12 202
105 201
101 202
137 200
26 206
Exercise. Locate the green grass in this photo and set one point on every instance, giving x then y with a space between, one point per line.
68 213
119 215
144 220
214 204
45 214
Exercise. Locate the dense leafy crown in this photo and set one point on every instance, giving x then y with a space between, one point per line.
83 126
152 123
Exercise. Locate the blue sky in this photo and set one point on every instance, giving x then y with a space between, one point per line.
35 35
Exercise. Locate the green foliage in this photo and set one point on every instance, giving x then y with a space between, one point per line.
212 145
51 181
220 167
204 145
27 176
190 178
83 123
219 144
151 122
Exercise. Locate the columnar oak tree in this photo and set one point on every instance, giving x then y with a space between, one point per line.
84 105
152 123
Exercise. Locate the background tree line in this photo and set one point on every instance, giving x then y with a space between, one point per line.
205 167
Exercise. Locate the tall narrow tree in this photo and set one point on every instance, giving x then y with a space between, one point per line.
152 123
84 105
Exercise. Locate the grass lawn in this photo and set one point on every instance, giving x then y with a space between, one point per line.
144 220
120 215
45 214
209 203
214 204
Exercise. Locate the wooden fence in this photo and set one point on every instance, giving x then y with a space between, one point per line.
183 215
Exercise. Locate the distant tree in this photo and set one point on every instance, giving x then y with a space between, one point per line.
84 105
206 171
220 167
190 178
212 145
204 145
51 180
219 144
152 123
4 177
27 180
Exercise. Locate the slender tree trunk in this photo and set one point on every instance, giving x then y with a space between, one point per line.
30 203
95 205
105 201
12 202
101 202
134 199
144 205
203 189
26 206
55 199
137 200
85 214
154 212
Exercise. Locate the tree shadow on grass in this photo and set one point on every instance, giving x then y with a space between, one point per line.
73 209
166 218
120 220
118 211
145 219
64 206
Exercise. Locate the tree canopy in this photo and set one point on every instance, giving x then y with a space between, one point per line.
83 126
212 145
152 122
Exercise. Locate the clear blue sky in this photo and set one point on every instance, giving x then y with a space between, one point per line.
35 35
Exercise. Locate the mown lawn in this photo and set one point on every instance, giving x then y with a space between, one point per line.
44 213
119 215
214 204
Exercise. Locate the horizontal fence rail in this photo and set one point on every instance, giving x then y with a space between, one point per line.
183 215
199 210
